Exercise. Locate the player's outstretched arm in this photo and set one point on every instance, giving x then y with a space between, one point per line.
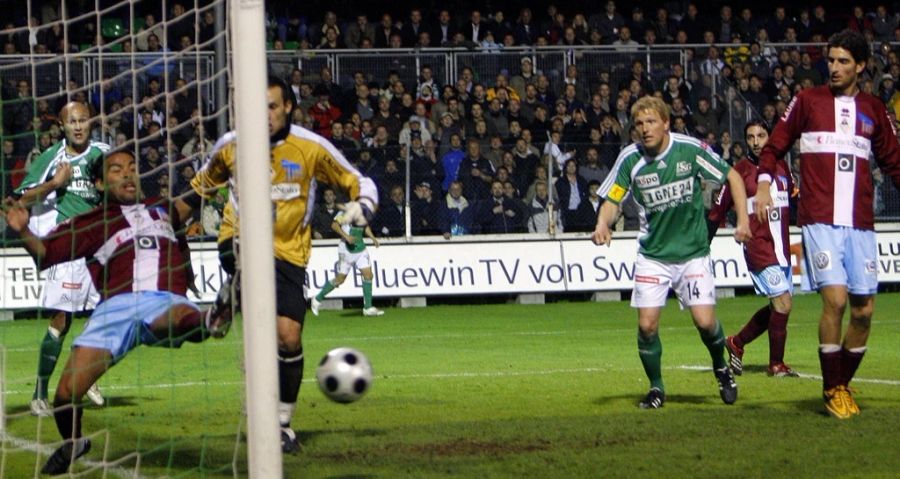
739 197
602 233
17 218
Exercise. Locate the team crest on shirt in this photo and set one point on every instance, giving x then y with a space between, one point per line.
822 260
783 182
868 126
291 169
158 212
845 126
682 168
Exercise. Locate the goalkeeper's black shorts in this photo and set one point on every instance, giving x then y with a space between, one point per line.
290 294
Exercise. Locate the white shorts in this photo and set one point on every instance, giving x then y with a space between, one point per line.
347 260
773 281
841 255
69 288
692 281
122 322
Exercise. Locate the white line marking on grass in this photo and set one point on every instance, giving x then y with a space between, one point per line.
452 375
219 344
888 382
45 451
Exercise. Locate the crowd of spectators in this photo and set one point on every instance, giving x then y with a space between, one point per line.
519 150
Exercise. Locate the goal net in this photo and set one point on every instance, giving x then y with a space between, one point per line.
155 78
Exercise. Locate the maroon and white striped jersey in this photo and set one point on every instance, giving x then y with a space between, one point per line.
127 247
770 245
838 136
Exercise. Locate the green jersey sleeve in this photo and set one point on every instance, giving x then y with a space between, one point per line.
710 166
618 182
39 170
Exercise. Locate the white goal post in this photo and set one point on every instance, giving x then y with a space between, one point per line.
257 262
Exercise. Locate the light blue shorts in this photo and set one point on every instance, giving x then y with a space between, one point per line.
773 281
841 255
122 322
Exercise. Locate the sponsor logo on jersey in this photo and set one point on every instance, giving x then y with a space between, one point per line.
682 168
781 199
66 285
671 194
291 169
638 278
694 276
831 142
774 215
822 260
647 180
147 242
790 107
712 170
616 193
845 163
285 191
661 164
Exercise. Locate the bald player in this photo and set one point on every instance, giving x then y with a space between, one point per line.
59 186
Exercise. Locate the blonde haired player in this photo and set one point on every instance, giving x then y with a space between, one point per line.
663 173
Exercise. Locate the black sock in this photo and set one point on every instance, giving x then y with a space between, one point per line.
68 419
290 375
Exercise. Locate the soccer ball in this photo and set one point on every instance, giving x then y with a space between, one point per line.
344 375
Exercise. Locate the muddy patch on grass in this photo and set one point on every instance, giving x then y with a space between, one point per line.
455 448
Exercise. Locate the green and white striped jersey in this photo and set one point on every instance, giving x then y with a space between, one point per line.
666 189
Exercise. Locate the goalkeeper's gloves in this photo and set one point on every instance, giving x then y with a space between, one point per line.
358 213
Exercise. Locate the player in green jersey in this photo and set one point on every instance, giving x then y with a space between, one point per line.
58 186
663 174
351 253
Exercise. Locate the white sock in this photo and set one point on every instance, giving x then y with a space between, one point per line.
285 412
54 332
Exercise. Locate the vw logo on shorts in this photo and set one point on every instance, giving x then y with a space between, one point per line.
774 279
822 259
870 267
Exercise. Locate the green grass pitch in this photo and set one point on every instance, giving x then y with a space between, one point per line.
487 391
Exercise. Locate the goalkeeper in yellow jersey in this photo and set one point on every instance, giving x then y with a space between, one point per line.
299 160
352 253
